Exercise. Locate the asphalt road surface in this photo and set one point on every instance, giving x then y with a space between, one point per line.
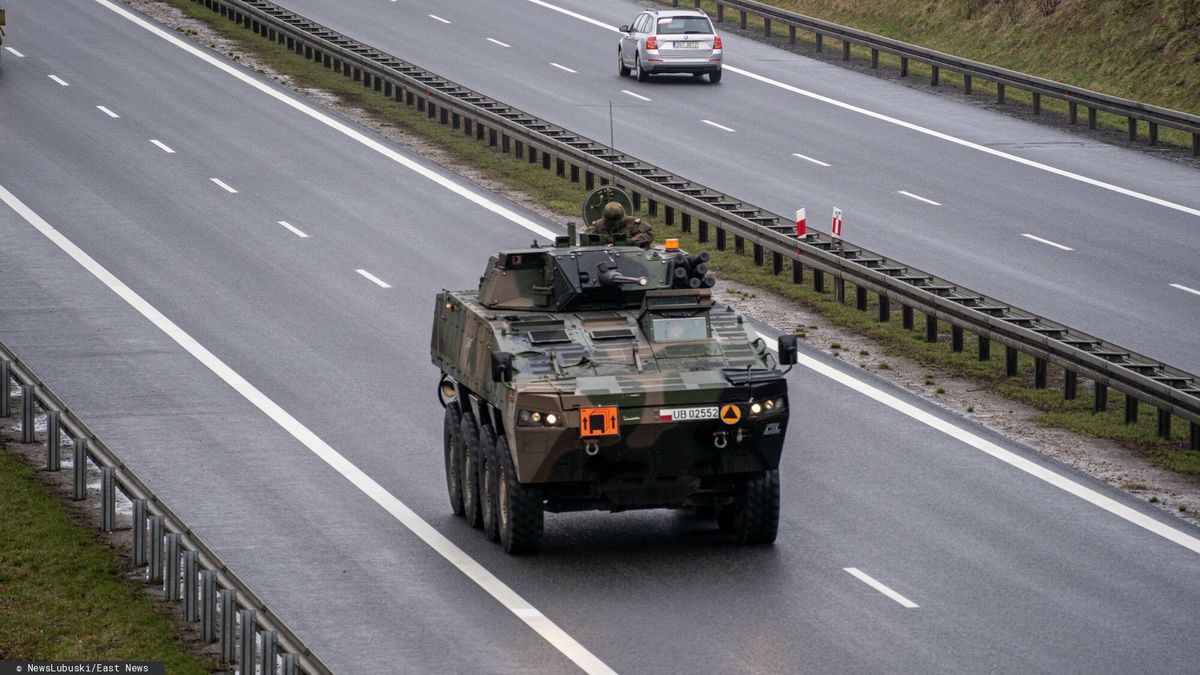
927 180
275 390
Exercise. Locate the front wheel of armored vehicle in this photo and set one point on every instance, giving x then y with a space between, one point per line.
520 507
468 438
489 477
756 509
453 451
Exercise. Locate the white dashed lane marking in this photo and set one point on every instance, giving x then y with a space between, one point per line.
223 185
866 579
15 53
810 159
561 67
1185 288
719 126
495 41
637 96
108 112
919 198
163 146
59 80
374 279
295 231
435 17
1047 242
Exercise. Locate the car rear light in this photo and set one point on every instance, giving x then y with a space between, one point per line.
716 42
652 43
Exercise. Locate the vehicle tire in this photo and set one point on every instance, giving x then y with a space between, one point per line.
453 455
756 509
642 76
521 512
468 436
489 475
622 69
715 76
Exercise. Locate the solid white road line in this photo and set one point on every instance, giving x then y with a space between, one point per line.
810 159
220 182
866 579
495 41
59 80
916 127
108 112
639 96
919 198
1007 456
435 17
1047 242
719 126
501 592
15 53
374 279
1185 288
293 228
163 146
561 67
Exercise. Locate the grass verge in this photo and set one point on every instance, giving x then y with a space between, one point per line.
563 196
63 592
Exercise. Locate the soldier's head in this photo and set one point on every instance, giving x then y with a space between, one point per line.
614 213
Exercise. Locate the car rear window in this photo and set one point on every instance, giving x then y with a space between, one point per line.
680 25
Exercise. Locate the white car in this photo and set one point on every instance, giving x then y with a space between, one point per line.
670 41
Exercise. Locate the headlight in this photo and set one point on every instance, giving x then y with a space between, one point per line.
533 418
771 405
755 408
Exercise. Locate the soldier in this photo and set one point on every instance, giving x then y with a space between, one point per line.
615 221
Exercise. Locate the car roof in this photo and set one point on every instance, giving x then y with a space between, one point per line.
677 12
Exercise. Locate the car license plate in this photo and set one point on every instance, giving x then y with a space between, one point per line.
687 45
683 414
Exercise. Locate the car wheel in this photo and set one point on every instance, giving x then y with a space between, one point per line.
489 475
642 75
522 515
453 451
622 69
715 76
756 509
468 436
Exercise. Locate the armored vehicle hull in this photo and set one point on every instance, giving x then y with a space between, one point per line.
585 377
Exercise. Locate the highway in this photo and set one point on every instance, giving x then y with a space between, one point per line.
927 180
236 293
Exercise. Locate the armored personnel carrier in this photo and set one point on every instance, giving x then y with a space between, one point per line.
583 376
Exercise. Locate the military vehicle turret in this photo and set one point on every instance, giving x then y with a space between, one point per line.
581 376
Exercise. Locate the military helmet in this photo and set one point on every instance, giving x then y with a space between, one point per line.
614 212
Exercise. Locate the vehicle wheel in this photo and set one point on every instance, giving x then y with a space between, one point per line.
622 69
453 451
489 475
521 512
468 435
756 509
714 76
642 75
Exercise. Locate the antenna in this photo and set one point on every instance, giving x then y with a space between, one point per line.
612 144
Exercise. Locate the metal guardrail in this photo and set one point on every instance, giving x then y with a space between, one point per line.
527 138
1134 111
173 555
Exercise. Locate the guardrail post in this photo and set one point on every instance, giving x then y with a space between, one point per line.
1010 361
956 338
1072 112
247 637
1037 103
685 222
1153 129
228 616
933 76
79 459
742 18
651 205
766 25
208 606
518 146
1092 118
874 58
966 84
906 317
839 290
268 652
985 348
739 244
1131 409
931 328
885 309
669 216
720 12
108 498
5 388
27 396
156 548
1194 430
171 582
819 281
845 50
758 255
1195 143
574 173
1071 384
999 92
1132 128
702 232
777 264
820 40
1100 402
291 664
53 436
721 242
1164 424
139 532
506 147
797 272
1039 373
191 563
903 66
791 34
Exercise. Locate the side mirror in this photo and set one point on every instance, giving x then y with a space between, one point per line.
502 367
624 29
787 350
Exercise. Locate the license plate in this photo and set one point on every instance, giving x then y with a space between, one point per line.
687 45
683 414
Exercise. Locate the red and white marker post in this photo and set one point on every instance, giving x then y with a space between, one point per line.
801 225
836 230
